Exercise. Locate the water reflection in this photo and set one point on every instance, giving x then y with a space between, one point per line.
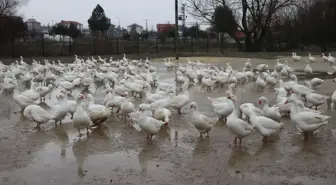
148 153
80 152
62 139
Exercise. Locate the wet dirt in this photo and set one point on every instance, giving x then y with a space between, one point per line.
116 154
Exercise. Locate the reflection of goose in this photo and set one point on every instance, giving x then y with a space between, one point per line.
147 154
201 147
62 139
80 152
237 162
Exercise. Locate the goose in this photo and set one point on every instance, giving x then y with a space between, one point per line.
148 124
80 118
246 107
37 114
325 58
270 80
311 58
59 111
238 127
115 101
306 121
331 59
43 91
295 57
333 96
21 100
265 126
162 114
71 105
270 112
223 108
32 93
316 82
314 99
278 66
308 69
97 113
260 83
126 108
201 122
180 100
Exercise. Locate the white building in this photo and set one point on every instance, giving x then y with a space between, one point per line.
138 28
32 24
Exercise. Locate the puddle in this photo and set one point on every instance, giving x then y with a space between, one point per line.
117 154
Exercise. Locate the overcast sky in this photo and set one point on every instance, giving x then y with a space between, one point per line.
129 11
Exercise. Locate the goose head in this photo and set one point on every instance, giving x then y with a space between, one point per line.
193 106
262 100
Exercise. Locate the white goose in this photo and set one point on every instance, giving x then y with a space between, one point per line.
295 57
148 124
162 114
37 114
71 105
238 127
270 112
314 99
80 118
98 113
311 58
201 122
325 58
32 93
43 91
182 99
264 125
308 69
307 121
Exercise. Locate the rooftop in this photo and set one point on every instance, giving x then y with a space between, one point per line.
70 22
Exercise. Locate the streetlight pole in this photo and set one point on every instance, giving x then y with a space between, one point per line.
119 21
176 30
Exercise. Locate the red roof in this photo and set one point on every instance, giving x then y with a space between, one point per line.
164 27
69 22
240 34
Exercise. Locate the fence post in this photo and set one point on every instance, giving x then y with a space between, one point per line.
94 45
70 47
221 43
117 46
157 46
13 48
192 45
207 44
137 42
42 40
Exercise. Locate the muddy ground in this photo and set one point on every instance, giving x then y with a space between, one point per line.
116 154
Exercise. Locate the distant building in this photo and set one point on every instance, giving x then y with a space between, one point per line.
164 27
138 28
32 24
45 29
68 23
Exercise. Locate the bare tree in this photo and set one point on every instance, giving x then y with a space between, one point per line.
9 7
253 17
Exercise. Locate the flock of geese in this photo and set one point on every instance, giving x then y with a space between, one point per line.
127 80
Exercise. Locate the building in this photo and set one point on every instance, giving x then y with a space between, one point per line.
68 23
138 28
164 27
32 24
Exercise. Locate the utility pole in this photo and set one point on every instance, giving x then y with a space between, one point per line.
146 24
183 16
176 30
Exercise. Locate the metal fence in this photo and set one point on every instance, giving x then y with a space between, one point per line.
107 46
